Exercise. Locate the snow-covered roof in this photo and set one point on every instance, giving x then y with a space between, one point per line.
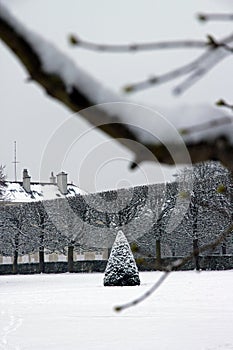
15 192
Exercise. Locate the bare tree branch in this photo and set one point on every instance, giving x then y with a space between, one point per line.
176 44
200 66
141 298
136 47
206 126
204 67
171 75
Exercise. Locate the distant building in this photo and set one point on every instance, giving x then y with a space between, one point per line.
29 191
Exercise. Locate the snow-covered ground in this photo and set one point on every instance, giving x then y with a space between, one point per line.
74 311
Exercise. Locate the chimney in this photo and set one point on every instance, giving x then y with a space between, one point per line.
62 182
26 181
52 178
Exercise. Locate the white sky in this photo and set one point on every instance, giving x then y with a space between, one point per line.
31 118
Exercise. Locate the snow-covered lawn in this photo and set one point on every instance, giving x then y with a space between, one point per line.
74 311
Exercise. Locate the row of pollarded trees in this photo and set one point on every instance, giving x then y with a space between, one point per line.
61 226
197 207
29 228
198 215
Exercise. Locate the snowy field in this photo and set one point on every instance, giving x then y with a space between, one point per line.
74 311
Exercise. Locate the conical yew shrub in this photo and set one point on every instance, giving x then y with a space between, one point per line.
121 269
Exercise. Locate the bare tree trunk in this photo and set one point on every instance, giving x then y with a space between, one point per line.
15 262
71 258
41 260
109 252
158 252
16 254
196 254
41 253
224 248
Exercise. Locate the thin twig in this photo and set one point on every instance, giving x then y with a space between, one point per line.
155 286
163 78
135 47
215 16
206 125
200 66
202 70
209 59
121 48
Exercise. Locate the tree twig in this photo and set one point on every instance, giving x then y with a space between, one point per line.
206 125
171 75
121 48
215 53
204 67
215 17
150 291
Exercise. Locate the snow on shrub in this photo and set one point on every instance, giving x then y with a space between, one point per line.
121 269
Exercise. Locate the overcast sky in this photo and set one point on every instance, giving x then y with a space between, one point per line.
35 121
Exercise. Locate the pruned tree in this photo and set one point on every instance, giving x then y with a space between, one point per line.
160 225
16 236
121 269
199 214
177 264
210 204
67 226
42 230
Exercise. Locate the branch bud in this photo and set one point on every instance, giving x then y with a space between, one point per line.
220 103
128 88
73 40
201 17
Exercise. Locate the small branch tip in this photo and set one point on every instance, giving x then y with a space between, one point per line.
117 308
221 102
73 40
128 88
201 17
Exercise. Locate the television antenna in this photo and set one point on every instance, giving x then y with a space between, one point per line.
15 162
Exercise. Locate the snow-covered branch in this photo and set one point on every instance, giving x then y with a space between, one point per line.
64 81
